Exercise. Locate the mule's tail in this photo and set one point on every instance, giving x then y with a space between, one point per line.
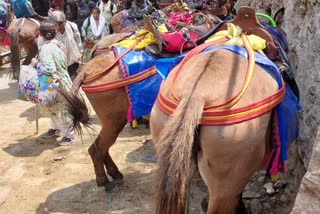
76 105
15 49
175 155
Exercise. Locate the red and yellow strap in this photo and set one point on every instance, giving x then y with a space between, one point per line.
93 76
221 114
119 83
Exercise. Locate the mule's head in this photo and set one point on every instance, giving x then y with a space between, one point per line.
279 18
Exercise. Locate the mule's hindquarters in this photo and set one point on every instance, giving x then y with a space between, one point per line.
229 155
22 34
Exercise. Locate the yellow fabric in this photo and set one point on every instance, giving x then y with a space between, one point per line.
149 39
162 28
276 176
234 32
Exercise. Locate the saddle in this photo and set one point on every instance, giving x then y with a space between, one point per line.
247 20
153 50
179 39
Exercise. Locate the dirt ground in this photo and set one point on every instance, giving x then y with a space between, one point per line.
37 176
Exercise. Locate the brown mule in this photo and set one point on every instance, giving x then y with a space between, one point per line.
111 108
23 33
228 155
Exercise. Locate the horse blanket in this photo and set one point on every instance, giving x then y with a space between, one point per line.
142 94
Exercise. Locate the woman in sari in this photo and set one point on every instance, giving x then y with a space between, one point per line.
52 70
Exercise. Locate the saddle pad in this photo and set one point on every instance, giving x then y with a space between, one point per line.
143 94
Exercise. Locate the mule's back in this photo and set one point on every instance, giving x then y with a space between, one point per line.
26 28
224 74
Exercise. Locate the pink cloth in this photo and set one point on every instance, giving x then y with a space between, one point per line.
175 17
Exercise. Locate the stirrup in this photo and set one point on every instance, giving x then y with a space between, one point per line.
149 27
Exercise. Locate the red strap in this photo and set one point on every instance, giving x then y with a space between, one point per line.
91 77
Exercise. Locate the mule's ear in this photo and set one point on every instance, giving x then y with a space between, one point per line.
279 17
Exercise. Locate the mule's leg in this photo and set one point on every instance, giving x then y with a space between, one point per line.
99 152
111 167
97 158
111 108
228 157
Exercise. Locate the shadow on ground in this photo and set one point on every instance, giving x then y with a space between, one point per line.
144 153
134 196
30 146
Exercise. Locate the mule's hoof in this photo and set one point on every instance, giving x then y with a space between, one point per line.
204 205
118 181
116 176
101 181
109 186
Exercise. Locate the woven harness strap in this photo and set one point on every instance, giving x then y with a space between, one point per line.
119 83
93 76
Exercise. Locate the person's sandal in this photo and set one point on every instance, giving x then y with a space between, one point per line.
66 141
51 133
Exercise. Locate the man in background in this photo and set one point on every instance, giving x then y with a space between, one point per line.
69 35
107 10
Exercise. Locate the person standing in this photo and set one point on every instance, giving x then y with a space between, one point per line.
52 66
69 35
93 29
107 9
23 8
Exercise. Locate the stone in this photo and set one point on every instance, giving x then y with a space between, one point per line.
261 179
308 197
283 198
255 206
258 195
269 188
58 158
248 194
280 184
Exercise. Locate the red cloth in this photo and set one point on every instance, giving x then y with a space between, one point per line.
175 17
58 4
4 40
176 40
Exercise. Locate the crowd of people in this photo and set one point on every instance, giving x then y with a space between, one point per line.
62 49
